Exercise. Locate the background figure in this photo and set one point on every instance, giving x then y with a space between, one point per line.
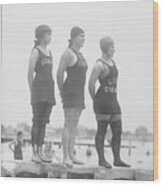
105 103
72 91
48 151
16 146
41 87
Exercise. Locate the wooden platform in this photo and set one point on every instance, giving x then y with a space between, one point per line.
46 170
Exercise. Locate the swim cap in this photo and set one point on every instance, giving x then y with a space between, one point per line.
41 30
75 31
105 42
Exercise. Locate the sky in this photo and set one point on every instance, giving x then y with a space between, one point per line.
130 24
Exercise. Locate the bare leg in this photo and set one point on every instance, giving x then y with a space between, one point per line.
65 140
77 114
72 143
69 115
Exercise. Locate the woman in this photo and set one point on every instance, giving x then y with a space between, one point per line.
41 86
105 103
72 91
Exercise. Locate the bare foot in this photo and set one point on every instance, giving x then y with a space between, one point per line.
36 159
76 161
120 163
105 164
67 163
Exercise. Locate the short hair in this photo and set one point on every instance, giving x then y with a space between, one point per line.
41 30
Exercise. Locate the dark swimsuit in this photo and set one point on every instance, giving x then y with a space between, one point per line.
74 85
42 97
18 155
105 101
43 84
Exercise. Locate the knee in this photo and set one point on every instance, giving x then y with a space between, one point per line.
102 128
116 127
67 128
73 130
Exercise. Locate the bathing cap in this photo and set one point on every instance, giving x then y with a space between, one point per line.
105 42
75 31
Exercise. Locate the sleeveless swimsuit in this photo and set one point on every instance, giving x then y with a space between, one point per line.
105 101
43 84
18 151
74 85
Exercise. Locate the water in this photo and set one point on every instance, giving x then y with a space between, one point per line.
138 158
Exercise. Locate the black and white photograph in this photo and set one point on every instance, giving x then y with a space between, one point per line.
78 90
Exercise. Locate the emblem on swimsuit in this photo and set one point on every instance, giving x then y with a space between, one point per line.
111 89
111 86
46 61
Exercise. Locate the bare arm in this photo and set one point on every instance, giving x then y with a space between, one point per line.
65 61
93 78
11 145
32 64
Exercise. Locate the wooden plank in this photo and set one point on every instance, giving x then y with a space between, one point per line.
144 175
37 170
33 168
57 171
155 91
115 174
81 172
16 167
5 172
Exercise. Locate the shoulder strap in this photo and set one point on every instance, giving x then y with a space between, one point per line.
37 49
113 62
43 53
75 54
104 63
